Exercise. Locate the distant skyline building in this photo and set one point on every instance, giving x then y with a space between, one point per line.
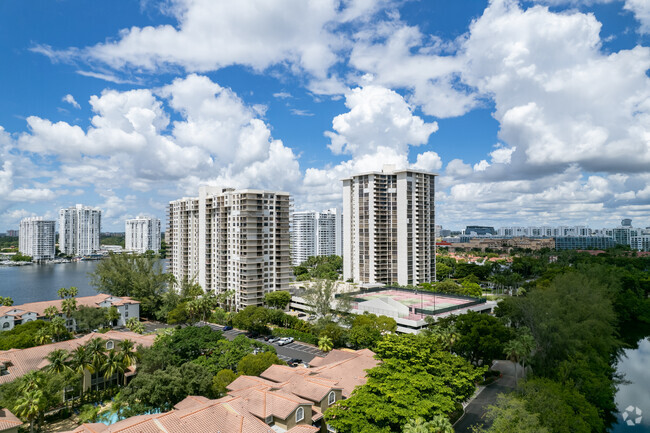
316 234
228 239
142 234
389 227
36 238
13 233
480 230
79 228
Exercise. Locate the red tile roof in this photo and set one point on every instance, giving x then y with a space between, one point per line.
21 361
87 301
8 420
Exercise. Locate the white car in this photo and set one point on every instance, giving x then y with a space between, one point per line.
285 341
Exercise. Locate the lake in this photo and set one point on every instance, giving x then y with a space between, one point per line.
635 394
41 282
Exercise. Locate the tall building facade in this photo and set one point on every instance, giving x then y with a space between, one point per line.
316 234
79 229
36 238
229 239
389 227
142 234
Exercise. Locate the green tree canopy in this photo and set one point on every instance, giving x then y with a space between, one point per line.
278 299
254 365
138 276
416 378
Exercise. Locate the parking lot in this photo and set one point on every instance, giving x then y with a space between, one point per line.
298 350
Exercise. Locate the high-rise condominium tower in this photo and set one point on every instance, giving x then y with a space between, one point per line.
229 239
142 234
79 228
389 227
36 238
316 234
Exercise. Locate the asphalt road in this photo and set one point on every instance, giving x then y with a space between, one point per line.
293 350
475 410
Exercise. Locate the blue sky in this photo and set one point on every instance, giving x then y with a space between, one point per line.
531 113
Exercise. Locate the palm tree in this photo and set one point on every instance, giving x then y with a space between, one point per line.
447 335
126 347
68 307
44 335
58 361
114 364
417 425
32 380
58 328
514 350
439 424
51 312
95 349
112 315
325 343
134 325
29 406
80 362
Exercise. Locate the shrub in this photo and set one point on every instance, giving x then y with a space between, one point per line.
297 335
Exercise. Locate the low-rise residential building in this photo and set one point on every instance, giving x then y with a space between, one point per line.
16 363
281 400
501 243
9 422
18 314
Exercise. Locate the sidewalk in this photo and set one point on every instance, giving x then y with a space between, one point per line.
476 408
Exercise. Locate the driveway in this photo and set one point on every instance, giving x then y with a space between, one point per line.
475 410
299 350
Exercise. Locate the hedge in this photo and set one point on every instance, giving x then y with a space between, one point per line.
297 335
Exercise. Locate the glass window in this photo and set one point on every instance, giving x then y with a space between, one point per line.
331 398
300 414
109 345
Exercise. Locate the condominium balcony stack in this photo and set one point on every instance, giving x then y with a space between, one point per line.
227 239
389 227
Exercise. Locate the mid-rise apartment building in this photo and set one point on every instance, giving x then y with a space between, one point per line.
79 228
389 227
36 238
142 234
316 234
229 239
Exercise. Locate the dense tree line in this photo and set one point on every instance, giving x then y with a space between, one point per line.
319 267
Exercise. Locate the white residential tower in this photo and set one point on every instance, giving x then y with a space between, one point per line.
36 238
142 234
79 229
316 234
389 227
229 239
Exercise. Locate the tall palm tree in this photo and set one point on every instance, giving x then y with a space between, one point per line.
29 406
80 362
68 307
58 328
51 312
58 361
35 379
126 348
96 348
114 364
514 350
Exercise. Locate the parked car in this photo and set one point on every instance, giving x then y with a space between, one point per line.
294 362
252 335
285 341
227 328
311 318
274 339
